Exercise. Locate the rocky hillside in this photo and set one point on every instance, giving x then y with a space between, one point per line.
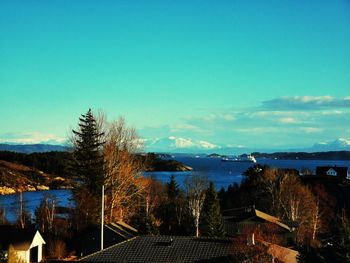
16 177
156 163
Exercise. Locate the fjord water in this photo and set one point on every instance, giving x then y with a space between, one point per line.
221 173
226 173
32 200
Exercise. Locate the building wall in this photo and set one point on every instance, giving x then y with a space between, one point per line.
18 256
38 241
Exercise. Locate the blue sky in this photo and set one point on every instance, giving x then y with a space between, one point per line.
238 73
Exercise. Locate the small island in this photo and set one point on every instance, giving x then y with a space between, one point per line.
158 163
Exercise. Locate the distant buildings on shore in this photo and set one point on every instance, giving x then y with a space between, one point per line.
336 171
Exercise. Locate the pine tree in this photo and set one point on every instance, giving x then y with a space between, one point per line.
211 221
88 167
88 157
172 189
172 194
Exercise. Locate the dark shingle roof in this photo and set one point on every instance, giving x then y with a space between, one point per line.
235 219
167 249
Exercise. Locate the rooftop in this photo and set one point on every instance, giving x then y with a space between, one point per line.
172 249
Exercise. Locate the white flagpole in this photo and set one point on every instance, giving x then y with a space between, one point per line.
102 214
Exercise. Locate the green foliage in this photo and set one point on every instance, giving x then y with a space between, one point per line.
230 198
167 210
211 219
88 159
88 167
148 226
172 189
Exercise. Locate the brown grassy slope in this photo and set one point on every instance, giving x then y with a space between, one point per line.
20 177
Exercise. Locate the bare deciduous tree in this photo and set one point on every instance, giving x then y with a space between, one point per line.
45 214
23 215
122 169
196 186
298 204
152 193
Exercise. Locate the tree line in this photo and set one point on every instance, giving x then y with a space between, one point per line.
315 206
104 153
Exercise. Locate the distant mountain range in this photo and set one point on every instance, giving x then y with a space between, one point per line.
178 144
174 144
30 148
339 144
184 145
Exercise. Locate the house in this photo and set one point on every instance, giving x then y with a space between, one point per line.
249 219
184 249
21 245
336 171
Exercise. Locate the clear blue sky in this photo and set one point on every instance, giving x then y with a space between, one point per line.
252 73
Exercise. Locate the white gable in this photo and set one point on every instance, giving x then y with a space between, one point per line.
332 172
37 240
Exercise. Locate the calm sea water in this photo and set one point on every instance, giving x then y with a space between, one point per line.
32 201
221 173
226 173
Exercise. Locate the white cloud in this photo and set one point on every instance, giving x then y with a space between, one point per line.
288 120
311 129
333 112
306 102
219 116
235 146
208 145
228 117
316 99
31 138
185 126
258 130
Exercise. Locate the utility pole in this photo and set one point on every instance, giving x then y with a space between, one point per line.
102 214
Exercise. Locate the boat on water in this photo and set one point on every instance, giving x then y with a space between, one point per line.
241 158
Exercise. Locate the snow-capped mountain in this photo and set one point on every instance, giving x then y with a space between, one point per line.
339 144
179 144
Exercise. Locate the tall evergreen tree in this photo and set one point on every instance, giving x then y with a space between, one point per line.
88 167
172 194
172 189
88 159
167 210
211 220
